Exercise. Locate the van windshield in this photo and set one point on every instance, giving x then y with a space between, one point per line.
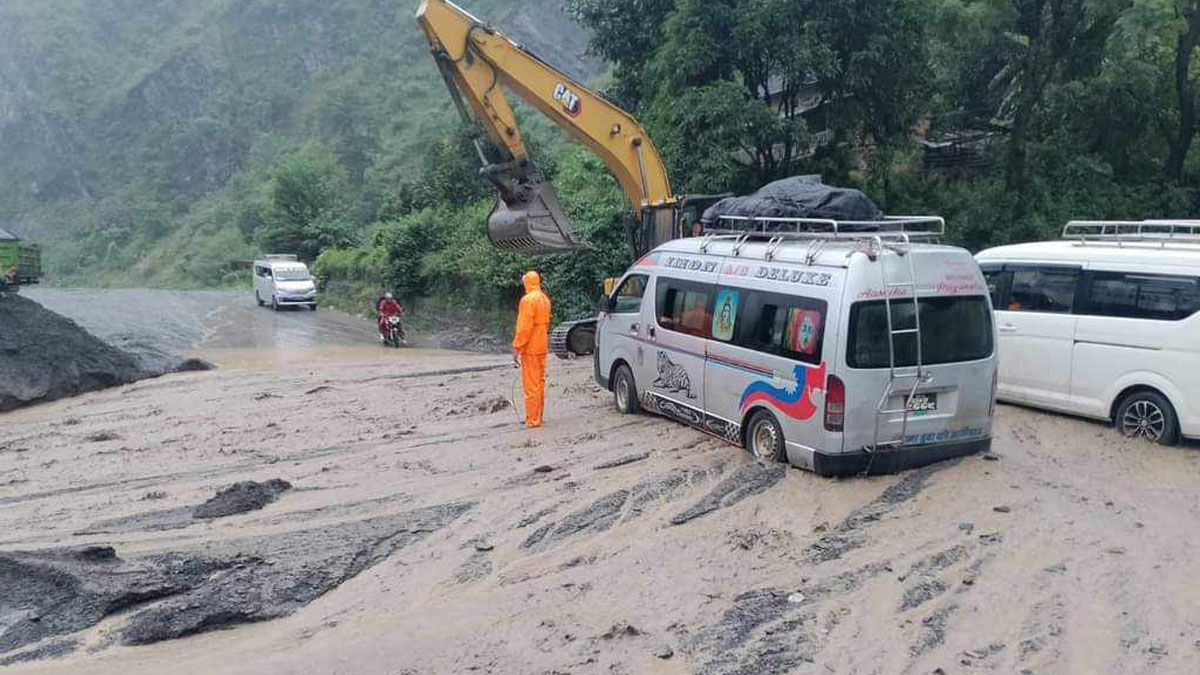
953 329
292 275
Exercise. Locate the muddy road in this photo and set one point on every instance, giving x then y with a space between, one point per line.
158 325
399 520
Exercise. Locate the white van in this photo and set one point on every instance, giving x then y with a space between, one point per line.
1103 324
805 346
283 281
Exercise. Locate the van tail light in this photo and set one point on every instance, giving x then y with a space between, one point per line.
835 404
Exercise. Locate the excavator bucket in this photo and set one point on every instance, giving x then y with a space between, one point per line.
532 224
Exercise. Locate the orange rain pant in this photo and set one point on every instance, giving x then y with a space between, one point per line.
533 377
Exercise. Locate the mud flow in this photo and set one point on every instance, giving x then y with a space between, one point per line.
344 508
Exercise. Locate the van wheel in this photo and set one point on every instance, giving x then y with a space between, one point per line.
258 299
764 438
625 391
1148 415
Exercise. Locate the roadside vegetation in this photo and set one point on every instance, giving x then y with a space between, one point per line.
1008 117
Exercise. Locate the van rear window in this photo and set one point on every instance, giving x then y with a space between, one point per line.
953 329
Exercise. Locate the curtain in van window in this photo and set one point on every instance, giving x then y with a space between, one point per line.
683 307
790 326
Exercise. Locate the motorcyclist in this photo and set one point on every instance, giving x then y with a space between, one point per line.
388 306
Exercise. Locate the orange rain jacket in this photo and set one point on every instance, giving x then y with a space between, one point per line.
532 342
533 319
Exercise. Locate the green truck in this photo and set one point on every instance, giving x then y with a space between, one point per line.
20 261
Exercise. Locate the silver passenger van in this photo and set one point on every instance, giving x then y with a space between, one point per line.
815 342
283 281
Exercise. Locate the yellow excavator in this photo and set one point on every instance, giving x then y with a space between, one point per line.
478 63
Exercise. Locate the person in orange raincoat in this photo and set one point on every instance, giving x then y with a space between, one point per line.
531 343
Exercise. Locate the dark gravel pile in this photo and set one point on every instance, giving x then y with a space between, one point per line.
242 498
44 357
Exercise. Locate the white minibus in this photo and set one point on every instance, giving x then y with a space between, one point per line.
1103 324
836 349
283 281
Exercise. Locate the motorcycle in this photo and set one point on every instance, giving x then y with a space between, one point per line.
393 332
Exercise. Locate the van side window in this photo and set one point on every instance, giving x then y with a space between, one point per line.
1040 289
997 281
790 326
1142 296
628 298
725 317
684 307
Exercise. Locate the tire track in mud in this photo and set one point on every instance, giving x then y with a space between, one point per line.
849 534
778 629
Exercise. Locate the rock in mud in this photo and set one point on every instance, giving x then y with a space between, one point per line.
52 593
194 366
45 357
242 498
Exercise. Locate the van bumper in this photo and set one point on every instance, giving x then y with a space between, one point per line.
892 461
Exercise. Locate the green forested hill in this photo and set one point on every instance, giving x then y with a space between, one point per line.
139 138
156 141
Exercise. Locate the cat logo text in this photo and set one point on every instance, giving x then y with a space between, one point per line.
568 99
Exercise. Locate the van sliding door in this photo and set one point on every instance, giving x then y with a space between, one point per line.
1036 328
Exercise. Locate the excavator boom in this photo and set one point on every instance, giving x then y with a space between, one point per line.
478 63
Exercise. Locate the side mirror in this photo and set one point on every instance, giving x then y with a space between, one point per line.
607 304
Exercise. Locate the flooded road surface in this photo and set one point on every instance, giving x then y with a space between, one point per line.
161 326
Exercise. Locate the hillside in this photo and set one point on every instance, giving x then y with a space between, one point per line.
137 137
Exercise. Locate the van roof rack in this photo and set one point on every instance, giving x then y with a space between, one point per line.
902 228
282 257
1162 232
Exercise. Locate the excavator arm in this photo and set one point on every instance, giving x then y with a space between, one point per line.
478 63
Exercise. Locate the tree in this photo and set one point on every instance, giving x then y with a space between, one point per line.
1187 28
625 33
306 207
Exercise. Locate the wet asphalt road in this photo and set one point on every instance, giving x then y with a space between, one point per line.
159 325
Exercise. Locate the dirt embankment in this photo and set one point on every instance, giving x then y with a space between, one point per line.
426 532
44 357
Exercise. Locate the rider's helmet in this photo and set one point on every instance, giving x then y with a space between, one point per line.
388 295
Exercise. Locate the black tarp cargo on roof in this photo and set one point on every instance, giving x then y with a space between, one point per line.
797 197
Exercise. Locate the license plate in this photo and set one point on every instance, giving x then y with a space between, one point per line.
923 403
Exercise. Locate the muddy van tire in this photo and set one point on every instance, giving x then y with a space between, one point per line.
625 393
258 299
764 438
1148 415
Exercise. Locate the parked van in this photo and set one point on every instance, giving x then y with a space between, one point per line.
1103 324
283 281
837 350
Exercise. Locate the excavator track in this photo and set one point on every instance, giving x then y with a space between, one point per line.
573 338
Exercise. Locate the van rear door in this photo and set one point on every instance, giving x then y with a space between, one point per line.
953 401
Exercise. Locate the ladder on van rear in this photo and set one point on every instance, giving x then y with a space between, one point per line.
901 379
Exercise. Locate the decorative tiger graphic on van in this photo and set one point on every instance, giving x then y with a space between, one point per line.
797 404
672 376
